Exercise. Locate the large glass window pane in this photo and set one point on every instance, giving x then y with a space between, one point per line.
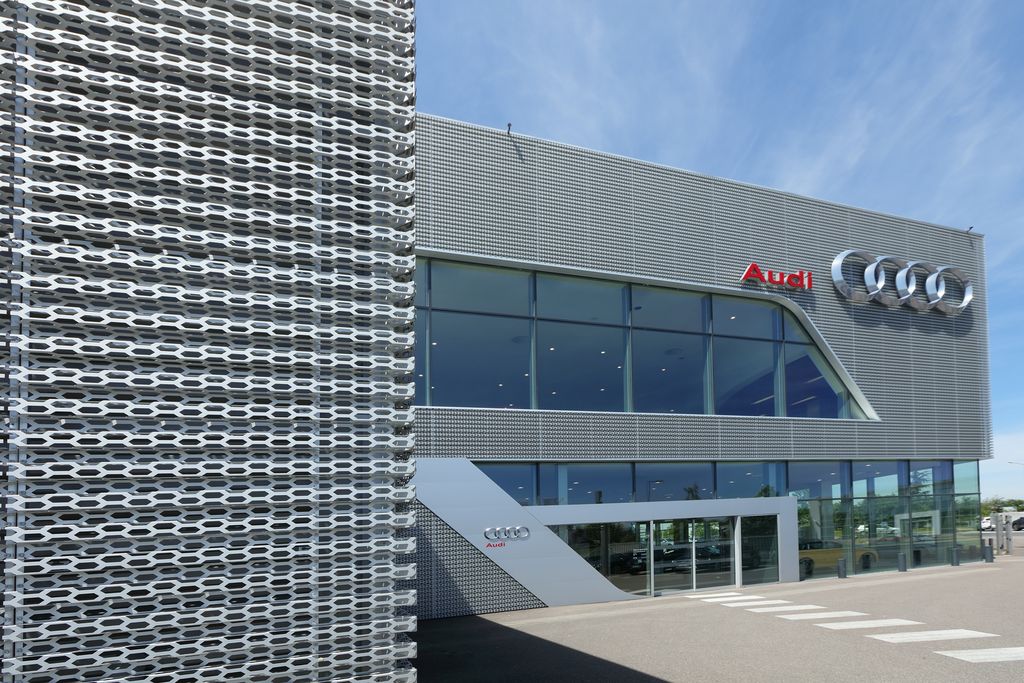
824 536
483 289
760 544
617 550
516 479
582 299
746 317
675 481
669 372
670 309
812 388
673 561
826 479
547 484
745 376
792 328
932 528
713 552
876 478
610 482
965 476
880 527
420 360
968 527
750 479
580 367
930 477
479 360
420 280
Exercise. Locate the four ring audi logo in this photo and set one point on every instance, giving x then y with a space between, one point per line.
509 533
905 282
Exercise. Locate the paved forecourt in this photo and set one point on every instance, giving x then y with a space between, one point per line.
957 623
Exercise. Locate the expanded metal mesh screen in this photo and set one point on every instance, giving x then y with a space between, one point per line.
208 260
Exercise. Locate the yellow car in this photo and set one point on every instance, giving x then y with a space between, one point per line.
824 555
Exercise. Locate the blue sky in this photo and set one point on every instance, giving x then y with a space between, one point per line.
911 108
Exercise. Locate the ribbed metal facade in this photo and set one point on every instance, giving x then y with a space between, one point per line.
483 194
208 273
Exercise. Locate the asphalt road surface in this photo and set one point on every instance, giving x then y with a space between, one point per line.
943 623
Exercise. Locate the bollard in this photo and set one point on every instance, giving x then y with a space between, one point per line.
841 568
986 551
955 556
901 562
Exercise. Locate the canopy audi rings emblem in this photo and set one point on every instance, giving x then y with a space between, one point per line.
905 282
506 533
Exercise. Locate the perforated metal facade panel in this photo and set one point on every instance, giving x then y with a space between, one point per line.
455 579
208 274
486 194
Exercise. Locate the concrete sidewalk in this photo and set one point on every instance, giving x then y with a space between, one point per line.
679 638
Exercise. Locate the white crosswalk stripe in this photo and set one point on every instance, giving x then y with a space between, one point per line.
754 603
734 598
993 654
786 608
867 623
925 636
700 596
821 615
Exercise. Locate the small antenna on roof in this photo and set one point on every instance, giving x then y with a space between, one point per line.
970 228
509 129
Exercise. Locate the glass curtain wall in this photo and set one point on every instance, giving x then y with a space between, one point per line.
490 337
867 512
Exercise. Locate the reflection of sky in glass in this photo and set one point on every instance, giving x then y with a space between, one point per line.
541 360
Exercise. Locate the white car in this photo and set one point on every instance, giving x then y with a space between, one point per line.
986 524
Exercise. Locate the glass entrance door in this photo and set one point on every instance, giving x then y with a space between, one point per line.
673 553
692 553
713 552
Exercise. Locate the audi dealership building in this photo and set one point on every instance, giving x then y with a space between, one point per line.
288 366
633 380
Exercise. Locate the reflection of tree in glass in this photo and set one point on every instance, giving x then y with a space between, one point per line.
766 491
920 481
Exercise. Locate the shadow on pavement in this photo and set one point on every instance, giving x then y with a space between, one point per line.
475 649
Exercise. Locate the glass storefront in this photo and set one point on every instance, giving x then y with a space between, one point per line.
866 512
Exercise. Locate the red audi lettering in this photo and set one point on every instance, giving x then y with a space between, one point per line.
801 279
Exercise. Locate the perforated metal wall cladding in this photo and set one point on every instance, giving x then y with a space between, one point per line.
455 578
485 193
208 255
